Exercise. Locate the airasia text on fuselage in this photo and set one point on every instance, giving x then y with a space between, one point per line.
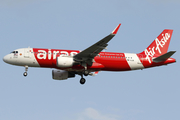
53 54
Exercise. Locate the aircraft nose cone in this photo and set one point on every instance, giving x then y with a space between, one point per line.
5 58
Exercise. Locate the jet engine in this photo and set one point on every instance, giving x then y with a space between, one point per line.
64 61
61 74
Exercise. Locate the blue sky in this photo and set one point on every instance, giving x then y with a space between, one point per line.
150 94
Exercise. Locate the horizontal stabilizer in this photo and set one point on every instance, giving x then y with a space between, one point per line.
164 57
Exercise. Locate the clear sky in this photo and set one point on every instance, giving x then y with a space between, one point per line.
149 94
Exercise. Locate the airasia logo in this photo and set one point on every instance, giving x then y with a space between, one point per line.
42 54
159 44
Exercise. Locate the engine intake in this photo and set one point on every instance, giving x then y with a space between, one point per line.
61 74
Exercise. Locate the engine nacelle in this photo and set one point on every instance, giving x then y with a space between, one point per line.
61 74
64 61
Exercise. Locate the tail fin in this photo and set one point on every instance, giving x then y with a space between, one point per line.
160 45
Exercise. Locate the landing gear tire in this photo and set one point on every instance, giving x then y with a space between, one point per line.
25 74
82 81
86 73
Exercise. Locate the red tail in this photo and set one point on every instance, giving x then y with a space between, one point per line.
160 45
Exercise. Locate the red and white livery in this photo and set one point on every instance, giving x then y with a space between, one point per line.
68 63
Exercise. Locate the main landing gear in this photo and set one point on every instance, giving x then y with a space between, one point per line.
82 80
85 73
26 69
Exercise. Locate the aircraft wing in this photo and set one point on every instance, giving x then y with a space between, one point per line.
89 53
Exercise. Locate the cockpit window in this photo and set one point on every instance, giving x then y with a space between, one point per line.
14 52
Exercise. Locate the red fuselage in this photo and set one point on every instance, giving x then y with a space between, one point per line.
105 61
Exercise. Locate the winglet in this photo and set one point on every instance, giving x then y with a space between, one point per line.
116 29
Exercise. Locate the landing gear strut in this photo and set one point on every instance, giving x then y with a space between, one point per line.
85 72
82 80
26 69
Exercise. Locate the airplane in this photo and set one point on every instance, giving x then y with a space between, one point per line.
68 63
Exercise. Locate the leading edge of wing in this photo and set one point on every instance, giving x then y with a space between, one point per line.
96 48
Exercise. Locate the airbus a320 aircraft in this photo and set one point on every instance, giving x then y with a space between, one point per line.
68 63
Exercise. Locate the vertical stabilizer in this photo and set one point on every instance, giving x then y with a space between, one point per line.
159 46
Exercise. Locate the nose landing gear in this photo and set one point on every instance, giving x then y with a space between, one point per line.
26 69
25 74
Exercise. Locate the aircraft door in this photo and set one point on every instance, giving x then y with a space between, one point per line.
26 53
